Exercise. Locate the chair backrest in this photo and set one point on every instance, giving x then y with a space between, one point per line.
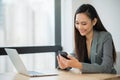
117 65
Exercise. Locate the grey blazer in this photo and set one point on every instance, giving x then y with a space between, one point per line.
101 54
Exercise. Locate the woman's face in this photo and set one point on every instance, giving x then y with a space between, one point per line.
84 24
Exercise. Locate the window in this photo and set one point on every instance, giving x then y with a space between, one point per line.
28 23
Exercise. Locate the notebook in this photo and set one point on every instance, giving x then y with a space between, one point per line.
20 67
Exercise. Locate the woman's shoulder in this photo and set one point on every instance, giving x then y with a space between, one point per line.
104 32
104 35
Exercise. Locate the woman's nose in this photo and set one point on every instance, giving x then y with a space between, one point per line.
80 27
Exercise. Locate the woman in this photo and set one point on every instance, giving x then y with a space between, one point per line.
94 47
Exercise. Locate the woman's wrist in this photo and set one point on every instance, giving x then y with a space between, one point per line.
79 66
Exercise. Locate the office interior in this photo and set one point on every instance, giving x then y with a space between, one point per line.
26 23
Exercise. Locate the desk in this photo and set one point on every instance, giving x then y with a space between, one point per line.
63 75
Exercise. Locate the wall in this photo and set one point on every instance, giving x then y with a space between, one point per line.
67 29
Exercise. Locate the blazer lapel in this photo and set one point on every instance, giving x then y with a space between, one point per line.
94 46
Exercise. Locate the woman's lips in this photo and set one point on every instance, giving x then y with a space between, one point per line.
82 31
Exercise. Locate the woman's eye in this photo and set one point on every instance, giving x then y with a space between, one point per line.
76 23
83 23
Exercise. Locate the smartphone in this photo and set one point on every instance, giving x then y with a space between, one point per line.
64 54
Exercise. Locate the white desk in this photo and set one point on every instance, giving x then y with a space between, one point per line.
63 75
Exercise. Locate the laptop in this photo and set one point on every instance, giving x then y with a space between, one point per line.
20 67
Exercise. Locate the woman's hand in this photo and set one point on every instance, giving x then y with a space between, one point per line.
61 62
65 63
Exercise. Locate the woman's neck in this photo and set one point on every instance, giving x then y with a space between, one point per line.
89 36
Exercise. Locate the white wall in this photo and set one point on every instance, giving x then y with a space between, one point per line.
108 11
67 29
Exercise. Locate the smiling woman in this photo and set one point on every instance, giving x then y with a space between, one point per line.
94 46
84 24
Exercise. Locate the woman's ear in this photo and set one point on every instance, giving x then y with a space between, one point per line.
94 21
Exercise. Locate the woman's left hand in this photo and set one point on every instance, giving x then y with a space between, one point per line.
73 62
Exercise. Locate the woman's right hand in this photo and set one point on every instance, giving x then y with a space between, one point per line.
61 61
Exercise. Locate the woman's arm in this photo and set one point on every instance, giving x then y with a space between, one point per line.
107 59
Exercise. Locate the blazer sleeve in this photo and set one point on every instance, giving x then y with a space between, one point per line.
107 58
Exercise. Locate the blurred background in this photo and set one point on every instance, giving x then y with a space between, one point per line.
32 23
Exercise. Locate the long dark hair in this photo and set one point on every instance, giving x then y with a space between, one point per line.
80 41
